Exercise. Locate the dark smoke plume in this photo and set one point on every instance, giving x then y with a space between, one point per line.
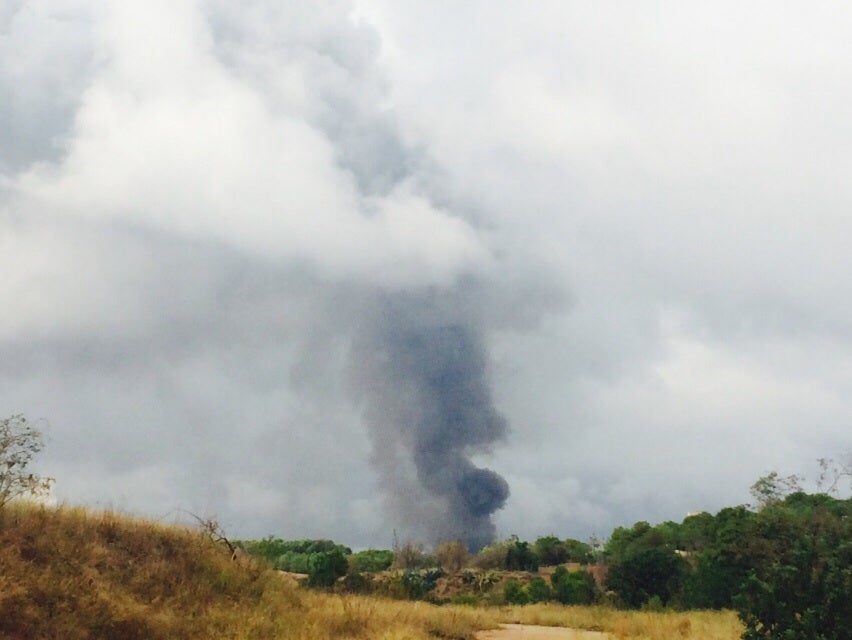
429 407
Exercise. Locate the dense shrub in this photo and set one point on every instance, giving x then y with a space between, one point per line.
356 583
290 555
466 599
538 590
326 567
373 560
574 587
514 593
418 583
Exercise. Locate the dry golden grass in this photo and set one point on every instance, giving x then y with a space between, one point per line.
75 574
704 625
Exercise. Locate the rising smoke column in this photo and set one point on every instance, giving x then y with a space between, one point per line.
429 407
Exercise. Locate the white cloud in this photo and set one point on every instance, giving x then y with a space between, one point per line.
167 136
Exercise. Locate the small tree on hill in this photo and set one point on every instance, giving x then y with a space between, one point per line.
20 442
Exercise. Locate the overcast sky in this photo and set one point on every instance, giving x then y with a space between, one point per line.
644 209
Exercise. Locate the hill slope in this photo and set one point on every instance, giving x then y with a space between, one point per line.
74 574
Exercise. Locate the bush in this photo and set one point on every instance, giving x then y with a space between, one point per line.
538 590
373 560
356 583
294 562
574 587
418 583
466 599
654 605
290 555
326 567
514 593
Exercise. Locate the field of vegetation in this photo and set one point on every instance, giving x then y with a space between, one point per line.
74 574
785 566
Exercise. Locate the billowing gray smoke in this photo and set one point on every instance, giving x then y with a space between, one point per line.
429 407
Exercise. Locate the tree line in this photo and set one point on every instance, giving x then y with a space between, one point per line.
785 564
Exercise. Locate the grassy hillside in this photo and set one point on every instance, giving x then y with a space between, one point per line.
73 574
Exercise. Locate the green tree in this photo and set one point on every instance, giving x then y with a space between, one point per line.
326 567
573 587
645 573
295 562
520 557
416 584
715 579
577 551
696 532
799 586
20 442
550 550
514 593
372 560
716 543
624 540
538 590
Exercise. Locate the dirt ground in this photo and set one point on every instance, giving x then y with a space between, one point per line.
532 632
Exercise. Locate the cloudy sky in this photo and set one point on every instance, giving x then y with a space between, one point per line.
641 209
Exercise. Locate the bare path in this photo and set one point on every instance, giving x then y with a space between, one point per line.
534 632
